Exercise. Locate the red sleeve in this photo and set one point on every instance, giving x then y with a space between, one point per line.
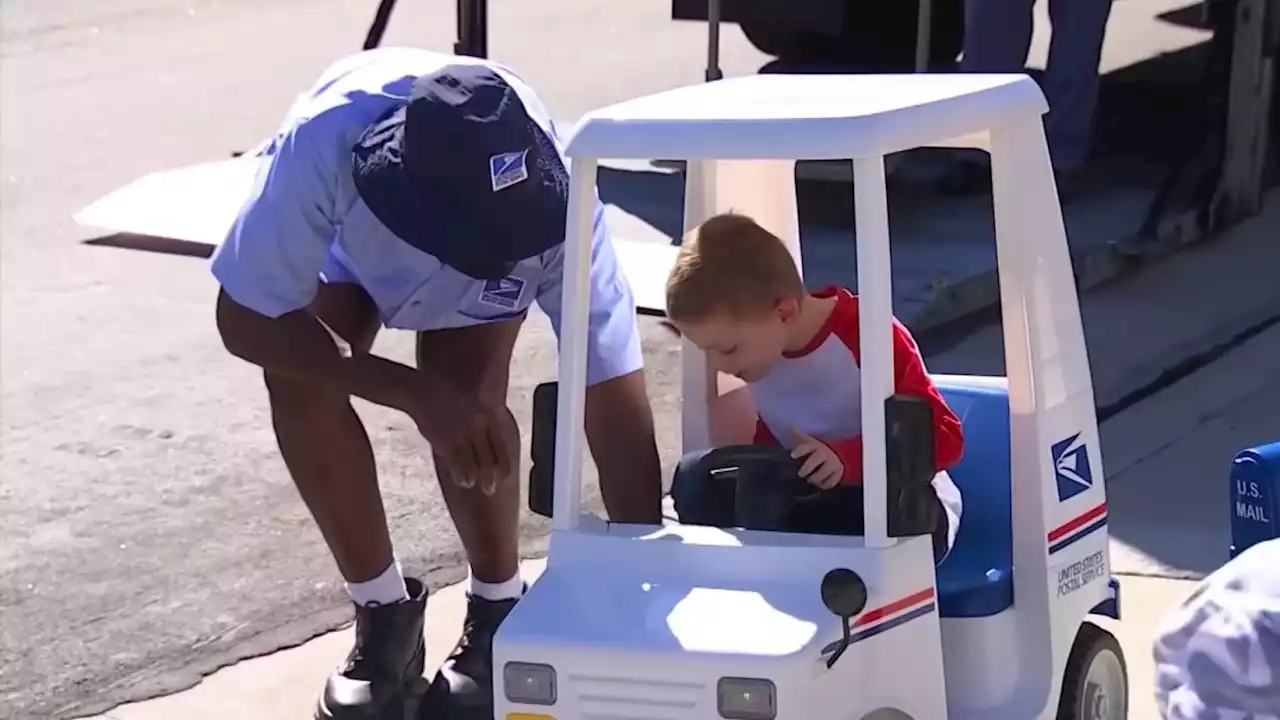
910 378
763 436
849 450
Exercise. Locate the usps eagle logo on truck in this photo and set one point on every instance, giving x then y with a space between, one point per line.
1071 467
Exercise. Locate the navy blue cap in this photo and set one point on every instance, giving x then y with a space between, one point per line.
462 172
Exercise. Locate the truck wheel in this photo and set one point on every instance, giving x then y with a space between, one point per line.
781 41
876 36
883 34
1095 685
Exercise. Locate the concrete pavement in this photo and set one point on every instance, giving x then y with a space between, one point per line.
1168 460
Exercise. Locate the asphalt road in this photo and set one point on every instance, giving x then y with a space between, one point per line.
149 530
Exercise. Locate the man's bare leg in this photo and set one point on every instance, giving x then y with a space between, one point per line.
326 448
327 451
477 359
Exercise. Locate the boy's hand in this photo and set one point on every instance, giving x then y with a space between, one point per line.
822 467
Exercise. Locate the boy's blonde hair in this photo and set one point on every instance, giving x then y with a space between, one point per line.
730 264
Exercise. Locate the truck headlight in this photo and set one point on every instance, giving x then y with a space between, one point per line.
746 699
529 683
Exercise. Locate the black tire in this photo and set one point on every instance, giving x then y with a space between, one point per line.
876 36
884 33
779 40
771 38
1077 700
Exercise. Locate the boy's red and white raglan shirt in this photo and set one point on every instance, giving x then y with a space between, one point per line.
817 390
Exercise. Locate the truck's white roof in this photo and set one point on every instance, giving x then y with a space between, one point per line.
804 116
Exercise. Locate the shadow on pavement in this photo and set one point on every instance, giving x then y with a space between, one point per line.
656 197
153 244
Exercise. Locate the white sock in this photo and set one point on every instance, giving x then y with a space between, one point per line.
508 590
385 589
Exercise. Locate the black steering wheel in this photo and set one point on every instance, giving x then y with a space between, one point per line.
768 482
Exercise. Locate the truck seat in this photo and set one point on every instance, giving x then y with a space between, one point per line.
976 579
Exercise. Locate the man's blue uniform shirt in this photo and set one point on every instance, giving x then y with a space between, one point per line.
304 222
1217 656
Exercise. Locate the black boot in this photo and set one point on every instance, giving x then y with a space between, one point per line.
375 681
463 689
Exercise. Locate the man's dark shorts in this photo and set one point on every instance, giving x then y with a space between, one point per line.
702 499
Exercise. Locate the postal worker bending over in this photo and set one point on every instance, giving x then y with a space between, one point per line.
422 192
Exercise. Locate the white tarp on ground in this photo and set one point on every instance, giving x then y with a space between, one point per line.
198 204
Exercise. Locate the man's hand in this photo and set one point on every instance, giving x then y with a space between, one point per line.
822 467
480 442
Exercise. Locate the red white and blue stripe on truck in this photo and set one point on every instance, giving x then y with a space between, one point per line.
886 617
1078 528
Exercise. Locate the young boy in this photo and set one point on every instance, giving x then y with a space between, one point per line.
736 293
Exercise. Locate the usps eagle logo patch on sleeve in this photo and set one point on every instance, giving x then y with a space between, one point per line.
504 293
507 169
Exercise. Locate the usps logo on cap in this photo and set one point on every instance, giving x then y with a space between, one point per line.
504 293
507 169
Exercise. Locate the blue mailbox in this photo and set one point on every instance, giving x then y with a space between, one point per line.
1255 497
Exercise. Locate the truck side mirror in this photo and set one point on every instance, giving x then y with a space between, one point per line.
910 466
542 451
844 593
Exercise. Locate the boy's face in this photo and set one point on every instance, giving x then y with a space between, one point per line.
747 347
